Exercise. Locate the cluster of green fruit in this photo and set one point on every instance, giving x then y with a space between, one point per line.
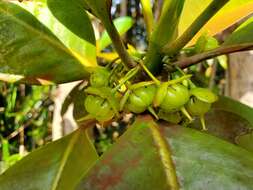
174 100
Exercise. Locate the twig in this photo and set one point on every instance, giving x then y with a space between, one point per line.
119 46
189 61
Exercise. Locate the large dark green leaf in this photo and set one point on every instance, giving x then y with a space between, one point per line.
56 166
141 160
30 52
73 15
228 119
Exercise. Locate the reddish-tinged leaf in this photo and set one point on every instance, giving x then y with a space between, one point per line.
201 161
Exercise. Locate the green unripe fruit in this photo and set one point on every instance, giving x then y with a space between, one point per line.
99 108
100 77
197 107
140 99
204 95
177 95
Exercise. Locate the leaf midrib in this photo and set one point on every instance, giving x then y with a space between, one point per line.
42 35
166 158
65 159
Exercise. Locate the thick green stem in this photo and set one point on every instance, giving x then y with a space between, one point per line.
209 12
148 16
118 45
164 32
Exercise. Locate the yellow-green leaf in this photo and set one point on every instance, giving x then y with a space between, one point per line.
70 13
122 24
242 34
233 11
29 52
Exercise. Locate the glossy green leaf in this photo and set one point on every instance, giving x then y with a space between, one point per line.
232 12
242 34
76 13
58 165
135 162
206 162
29 52
228 119
83 49
70 13
122 24
201 161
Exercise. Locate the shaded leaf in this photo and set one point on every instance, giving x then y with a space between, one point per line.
58 165
122 24
233 106
201 161
232 12
76 97
228 119
99 8
30 52
245 141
